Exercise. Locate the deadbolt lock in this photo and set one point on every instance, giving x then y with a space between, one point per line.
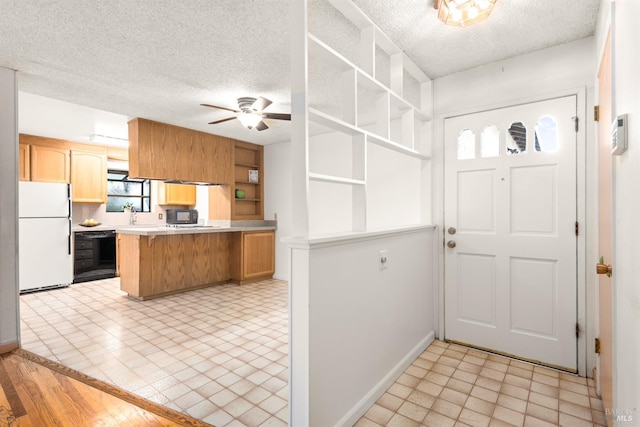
451 230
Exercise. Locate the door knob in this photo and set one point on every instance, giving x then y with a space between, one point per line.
451 244
602 268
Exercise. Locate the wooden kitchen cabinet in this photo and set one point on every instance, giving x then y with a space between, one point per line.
89 177
166 152
153 266
253 256
176 194
50 164
24 165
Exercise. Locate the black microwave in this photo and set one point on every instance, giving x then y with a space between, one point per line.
182 216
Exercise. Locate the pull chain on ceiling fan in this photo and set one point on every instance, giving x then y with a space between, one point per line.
250 113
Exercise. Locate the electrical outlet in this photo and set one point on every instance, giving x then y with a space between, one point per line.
159 215
383 259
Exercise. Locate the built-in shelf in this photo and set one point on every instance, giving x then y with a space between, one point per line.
247 200
335 179
247 182
369 118
344 127
247 165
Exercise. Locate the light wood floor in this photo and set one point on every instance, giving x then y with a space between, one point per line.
37 392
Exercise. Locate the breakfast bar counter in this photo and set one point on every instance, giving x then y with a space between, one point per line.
157 261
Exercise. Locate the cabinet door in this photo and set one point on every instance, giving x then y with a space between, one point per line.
49 164
25 163
88 177
176 194
258 257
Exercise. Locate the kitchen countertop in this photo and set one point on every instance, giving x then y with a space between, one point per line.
163 231
160 229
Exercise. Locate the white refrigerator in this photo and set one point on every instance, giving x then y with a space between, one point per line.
45 242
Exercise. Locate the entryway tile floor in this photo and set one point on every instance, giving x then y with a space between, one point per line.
218 354
450 385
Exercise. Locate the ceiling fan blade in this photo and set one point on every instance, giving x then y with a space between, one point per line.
277 116
223 120
219 108
262 126
260 104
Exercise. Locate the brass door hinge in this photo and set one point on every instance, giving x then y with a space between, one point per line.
597 345
577 228
596 113
578 330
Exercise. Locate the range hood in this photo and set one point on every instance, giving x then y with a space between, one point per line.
178 181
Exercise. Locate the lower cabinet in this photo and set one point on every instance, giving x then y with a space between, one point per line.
253 256
153 266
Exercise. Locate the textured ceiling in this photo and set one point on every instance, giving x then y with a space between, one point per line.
160 59
513 28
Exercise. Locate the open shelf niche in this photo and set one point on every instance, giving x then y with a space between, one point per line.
375 97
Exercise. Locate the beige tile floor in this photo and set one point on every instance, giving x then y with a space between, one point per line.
218 354
450 385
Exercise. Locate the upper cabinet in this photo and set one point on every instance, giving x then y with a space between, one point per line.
24 165
89 177
56 160
176 194
50 164
166 152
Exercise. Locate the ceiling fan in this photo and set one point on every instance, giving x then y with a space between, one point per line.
250 113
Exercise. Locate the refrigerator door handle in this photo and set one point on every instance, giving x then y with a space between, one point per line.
69 239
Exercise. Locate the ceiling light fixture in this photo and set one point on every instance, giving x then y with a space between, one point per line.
463 13
249 119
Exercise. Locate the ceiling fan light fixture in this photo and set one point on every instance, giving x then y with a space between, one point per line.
249 119
463 13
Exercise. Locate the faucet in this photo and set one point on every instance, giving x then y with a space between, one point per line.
133 218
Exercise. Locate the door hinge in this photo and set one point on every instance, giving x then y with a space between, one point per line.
597 345
576 121
578 330
596 113
577 228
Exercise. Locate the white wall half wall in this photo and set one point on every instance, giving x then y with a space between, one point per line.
364 325
9 321
277 195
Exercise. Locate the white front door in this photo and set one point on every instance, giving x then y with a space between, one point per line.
510 212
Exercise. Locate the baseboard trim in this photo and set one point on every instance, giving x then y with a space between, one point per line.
10 346
355 413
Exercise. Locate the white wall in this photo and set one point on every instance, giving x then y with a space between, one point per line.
277 195
626 199
8 209
546 73
365 325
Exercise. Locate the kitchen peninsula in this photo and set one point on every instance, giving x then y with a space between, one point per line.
157 261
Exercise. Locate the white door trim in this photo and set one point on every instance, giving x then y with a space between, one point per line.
584 246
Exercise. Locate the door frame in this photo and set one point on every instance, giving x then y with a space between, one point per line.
584 247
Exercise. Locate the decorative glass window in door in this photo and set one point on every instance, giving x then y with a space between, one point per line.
516 138
466 145
490 142
546 134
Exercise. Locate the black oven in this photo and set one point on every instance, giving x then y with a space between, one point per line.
94 255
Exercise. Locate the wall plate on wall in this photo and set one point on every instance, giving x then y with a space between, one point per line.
619 135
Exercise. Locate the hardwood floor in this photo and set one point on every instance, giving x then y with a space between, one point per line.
37 392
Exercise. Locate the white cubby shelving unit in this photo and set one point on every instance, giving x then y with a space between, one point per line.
368 110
